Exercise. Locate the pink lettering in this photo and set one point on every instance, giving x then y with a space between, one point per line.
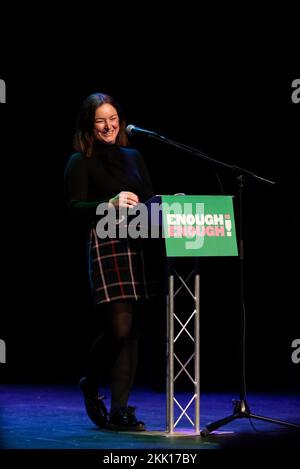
171 231
210 231
219 231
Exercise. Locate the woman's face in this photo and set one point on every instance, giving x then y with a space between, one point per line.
106 127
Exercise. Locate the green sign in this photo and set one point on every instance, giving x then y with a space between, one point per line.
199 226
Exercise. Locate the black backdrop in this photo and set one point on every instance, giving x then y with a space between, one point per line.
218 79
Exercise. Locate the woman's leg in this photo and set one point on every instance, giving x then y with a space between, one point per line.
125 326
115 351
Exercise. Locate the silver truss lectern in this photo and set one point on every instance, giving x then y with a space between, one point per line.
212 219
175 278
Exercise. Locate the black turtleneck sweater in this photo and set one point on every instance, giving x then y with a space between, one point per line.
111 169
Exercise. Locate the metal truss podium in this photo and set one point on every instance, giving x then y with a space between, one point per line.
175 278
192 226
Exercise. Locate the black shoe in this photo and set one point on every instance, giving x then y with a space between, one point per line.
125 420
94 405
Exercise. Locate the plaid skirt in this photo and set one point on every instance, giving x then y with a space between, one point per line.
120 269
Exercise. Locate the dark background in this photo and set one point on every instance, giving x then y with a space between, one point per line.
217 78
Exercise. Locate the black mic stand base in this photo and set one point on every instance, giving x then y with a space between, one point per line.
241 407
242 410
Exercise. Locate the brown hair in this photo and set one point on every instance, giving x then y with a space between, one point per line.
84 137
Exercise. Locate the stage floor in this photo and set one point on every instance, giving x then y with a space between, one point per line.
53 417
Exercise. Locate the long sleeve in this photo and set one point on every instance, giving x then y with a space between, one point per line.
145 176
94 180
76 187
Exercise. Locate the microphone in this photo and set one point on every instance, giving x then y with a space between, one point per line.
132 130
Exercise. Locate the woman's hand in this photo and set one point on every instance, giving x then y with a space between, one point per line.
124 199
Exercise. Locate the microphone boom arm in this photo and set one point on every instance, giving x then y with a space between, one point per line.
204 156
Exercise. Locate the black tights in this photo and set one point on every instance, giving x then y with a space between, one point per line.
116 351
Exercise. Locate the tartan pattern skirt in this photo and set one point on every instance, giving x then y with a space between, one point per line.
120 269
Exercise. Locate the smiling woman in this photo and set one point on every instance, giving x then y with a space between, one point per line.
121 271
106 124
100 119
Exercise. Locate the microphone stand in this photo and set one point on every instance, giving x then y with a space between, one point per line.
204 156
241 406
